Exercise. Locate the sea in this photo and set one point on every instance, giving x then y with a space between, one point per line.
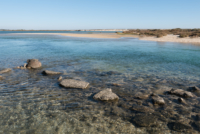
33 103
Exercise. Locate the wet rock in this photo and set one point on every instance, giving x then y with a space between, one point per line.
157 100
145 120
70 83
60 78
5 70
194 89
47 72
178 126
142 109
33 63
181 93
181 100
106 95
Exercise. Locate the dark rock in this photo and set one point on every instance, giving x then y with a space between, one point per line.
33 63
194 89
196 125
5 70
158 100
178 126
196 110
198 117
70 83
47 72
145 120
142 109
181 100
181 93
106 95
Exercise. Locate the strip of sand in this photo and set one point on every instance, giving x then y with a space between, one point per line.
168 38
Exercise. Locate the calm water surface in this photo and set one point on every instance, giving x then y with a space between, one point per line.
33 103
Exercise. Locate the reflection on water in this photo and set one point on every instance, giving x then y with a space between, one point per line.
33 103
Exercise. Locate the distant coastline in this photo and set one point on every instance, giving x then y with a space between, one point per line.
167 38
68 30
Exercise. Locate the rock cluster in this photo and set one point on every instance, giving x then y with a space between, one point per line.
31 63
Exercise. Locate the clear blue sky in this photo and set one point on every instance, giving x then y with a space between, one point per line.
99 14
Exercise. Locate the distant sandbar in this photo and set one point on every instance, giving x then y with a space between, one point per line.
168 38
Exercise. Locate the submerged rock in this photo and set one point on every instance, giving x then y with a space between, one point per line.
181 93
196 125
142 109
198 117
141 96
70 83
5 70
1 78
158 100
33 63
145 120
194 89
178 126
47 72
106 95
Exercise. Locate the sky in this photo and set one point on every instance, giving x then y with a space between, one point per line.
99 14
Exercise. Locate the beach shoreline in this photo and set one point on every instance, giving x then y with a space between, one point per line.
168 38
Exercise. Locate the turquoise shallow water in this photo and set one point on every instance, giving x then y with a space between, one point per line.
33 103
125 55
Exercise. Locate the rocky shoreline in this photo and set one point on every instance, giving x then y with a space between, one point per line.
173 110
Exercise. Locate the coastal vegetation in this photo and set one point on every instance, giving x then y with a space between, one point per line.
163 32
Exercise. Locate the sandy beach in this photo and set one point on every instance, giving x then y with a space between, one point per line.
168 38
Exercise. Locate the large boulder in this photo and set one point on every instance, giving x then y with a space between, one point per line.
181 93
70 83
5 70
106 95
33 63
47 72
